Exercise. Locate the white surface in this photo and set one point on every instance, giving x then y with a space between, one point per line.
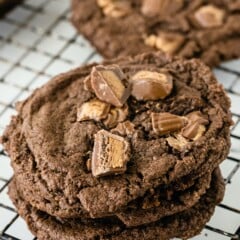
51 45
12 52
20 77
8 93
6 171
225 78
19 14
229 223
7 29
235 148
232 195
236 130
64 29
236 86
38 82
2 183
36 61
227 166
26 38
235 108
74 51
42 22
20 230
6 217
210 235
4 198
6 116
37 41
233 65
4 68
58 66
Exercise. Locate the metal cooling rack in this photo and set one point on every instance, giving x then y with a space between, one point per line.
37 42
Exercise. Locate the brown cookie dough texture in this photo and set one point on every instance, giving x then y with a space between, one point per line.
209 30
93 146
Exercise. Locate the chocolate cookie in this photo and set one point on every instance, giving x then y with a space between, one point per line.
99 137
209 30
6 5
183 225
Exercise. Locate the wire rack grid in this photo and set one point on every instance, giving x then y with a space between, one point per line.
37 42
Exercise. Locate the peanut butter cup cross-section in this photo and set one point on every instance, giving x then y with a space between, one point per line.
97 138
209 30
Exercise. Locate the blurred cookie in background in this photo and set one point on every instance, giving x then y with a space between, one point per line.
209 30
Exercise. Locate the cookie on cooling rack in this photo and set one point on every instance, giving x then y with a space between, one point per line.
208 30
97 138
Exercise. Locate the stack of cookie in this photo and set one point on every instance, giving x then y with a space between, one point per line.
124 150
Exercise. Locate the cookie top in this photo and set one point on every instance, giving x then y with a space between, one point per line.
182 225
96 138
203 29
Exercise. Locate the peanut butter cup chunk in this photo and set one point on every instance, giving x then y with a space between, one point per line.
150 85
164 123
210 16
108 85
110 154
93 110
155 8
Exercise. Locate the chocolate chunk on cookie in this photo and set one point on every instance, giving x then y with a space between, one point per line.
208 30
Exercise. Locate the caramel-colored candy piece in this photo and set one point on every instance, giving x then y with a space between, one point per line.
167 42
164 123
194 132
177 142
124 129
88 164
149 85
115 116
87 84
108 85
103 3
153 8
110 154
210 16
117 9
151 40
93 110
195 127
